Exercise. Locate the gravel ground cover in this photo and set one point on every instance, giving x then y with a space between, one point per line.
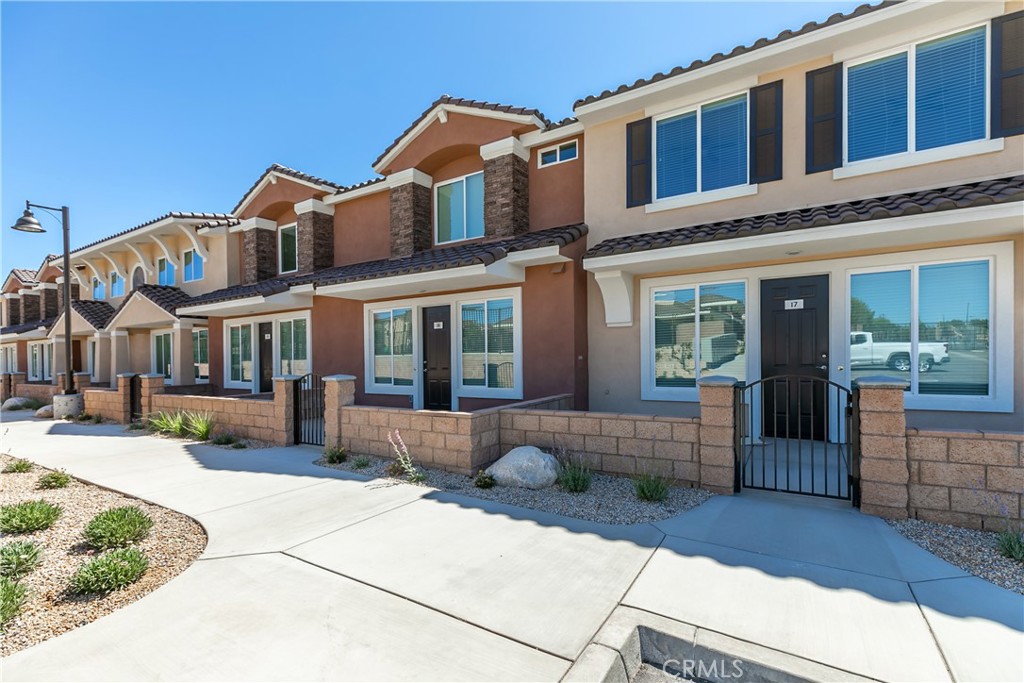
971 550
609 500
174 542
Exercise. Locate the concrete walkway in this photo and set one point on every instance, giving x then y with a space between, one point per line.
316 574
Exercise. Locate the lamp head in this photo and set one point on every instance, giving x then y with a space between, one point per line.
28 223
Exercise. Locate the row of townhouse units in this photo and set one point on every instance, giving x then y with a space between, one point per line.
838 202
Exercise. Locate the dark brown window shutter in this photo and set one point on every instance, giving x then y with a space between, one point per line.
766 132
825 118
1008 75
638 163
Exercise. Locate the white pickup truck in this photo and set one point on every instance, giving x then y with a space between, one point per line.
865 351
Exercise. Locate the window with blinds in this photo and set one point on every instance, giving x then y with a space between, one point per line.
392 347
488 344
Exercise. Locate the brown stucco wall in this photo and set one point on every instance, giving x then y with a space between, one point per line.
362 229
556 192
276 201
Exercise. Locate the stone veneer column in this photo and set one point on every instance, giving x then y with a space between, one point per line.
284 410
339 391
259 250
884 469
12 304
48 303
717 429
314 235
411 224
506 188
30 308
60 293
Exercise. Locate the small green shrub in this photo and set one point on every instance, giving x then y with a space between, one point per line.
361 463
12 597
394 469
239 445
53 480
117 528
84 417
574 477
224 439
135 426
29 516
18 559
1011 544
171 424
110 571
19 466
198 425
29 404
97 419
482 480
335 455
651 487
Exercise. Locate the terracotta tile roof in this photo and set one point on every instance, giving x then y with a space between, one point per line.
471 253
218 223
170 214
738 50
25 275
167 298
995 191
96 313
460 102
291 172
28 327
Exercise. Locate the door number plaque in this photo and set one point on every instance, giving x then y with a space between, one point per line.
794 304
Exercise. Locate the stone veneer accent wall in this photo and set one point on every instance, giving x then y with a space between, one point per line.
411 229
13 311
49 303
60 295
506 196
259 255
30 308
315 241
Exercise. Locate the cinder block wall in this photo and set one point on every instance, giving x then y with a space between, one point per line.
40 392
110 404
245 418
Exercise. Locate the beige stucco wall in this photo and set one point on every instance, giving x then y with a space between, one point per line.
140 311
140 351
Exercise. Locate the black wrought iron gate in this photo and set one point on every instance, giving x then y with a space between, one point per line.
798 434
135 397
309 410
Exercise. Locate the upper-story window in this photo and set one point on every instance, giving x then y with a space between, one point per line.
459 209
703 149
567 151
924 96
287 249
116 285
192 266
138 277
165 272
99 289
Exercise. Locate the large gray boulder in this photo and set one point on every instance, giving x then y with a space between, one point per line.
525 467
14 403
45 411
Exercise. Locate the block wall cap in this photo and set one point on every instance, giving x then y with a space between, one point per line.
340 378
880 382
126 374
717 381
287 378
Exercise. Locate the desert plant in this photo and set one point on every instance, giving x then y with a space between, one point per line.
198 425
84 417
97 419
110 571
1010 543
482 480
394 469
28 516
335 454
12 597
18 559
53 480
19 466
361 463
651 487
117 528
403 458
238 445
224 439
135 426
574 476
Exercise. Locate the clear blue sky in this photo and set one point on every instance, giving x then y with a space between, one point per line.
125 111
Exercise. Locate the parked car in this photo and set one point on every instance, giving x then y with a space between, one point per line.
865 351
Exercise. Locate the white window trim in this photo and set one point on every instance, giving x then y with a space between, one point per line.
162 264
152 353
451 181
1001 323
913 157
184 272
45 369
194 331
455 301
280 252
279 359
558 151
9 358
254 321
700 196
91 349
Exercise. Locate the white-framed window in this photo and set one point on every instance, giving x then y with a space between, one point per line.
701 149
459 209
917 97
40 361
287 249
488 344
192 266
9 359
240 367
566 151
689 330
393 332
116 285
99 289
201 355
162 361
93 366
292 347
165 272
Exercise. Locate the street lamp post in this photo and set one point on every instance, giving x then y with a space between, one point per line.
28 223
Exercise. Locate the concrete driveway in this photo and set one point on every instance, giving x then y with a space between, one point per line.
316 574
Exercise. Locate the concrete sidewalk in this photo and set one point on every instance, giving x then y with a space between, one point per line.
312 573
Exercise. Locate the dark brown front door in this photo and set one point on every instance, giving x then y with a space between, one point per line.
794 342
437 358
266 346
